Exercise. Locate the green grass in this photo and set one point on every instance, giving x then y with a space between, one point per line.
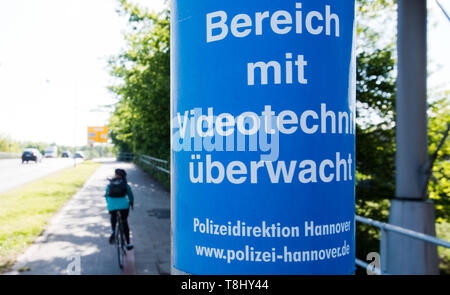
25 211
443 232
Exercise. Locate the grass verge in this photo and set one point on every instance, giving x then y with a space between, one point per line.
25 211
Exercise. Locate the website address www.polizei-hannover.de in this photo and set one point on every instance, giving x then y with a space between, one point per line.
250 254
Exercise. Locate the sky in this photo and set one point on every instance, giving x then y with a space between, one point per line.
439 45
53 73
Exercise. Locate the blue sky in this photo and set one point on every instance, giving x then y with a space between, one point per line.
53 64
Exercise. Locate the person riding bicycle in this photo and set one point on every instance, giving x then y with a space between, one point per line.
119 197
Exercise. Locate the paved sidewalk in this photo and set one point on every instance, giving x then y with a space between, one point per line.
78 233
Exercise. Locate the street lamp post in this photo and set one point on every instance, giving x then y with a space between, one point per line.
411 208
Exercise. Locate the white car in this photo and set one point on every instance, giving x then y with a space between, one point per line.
51 152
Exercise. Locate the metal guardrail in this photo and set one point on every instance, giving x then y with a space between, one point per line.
385 227
365 265
4 155
127 157
161 165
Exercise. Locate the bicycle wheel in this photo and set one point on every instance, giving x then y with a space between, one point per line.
120 245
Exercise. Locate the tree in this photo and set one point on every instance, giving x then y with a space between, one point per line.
439 149
141 120
375 116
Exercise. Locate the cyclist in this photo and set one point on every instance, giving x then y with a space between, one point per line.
119 197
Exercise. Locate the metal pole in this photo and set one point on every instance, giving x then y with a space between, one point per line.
412 146
410 209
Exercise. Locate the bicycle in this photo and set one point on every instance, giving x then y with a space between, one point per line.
119 239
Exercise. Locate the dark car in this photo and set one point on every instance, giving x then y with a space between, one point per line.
79 155
65 154
31 155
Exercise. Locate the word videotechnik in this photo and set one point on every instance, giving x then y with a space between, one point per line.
337 168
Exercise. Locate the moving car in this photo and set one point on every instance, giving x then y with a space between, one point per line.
31 155
79 155
65 154
51 152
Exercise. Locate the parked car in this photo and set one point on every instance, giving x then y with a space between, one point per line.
31 155
65 154
79 155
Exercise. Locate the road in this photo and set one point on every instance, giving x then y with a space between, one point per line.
13 173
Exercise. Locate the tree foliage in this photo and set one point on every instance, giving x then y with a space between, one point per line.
375 130
7 145
375 116
439 185
140 122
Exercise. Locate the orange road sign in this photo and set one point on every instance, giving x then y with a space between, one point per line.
98 134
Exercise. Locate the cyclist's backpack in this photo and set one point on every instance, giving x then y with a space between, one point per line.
117 188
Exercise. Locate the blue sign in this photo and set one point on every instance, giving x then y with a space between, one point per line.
263 136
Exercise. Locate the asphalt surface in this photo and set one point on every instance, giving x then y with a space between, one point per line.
76 239
13 173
